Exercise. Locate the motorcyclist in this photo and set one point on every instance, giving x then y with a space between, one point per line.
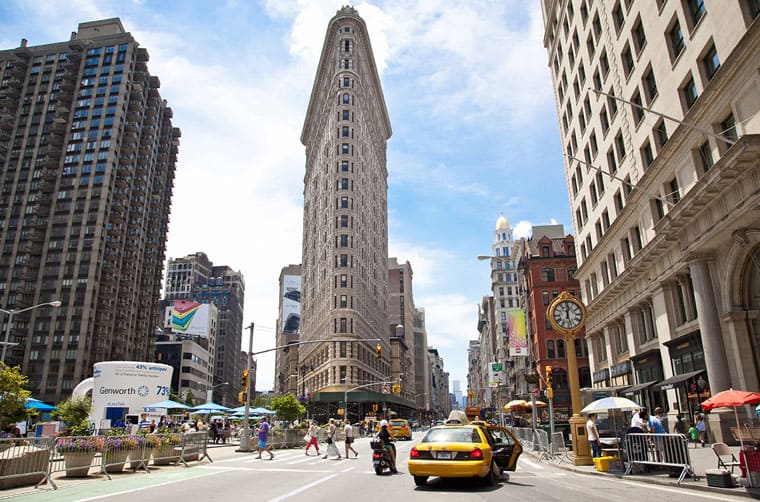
386 436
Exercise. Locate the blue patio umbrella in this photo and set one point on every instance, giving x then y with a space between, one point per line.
211 407
38 405
263 411
168 404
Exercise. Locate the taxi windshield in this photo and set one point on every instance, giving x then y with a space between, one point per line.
452 435
397 423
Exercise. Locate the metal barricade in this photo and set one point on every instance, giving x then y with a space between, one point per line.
541 444
25 462
194 446
660 450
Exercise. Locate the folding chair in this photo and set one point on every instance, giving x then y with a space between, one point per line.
726 459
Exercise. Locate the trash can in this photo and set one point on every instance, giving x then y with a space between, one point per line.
749 461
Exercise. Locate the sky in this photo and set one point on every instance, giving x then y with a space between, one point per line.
475 135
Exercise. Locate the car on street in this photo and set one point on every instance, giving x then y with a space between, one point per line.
464 450
400 428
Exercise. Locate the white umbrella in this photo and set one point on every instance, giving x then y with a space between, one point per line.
611 403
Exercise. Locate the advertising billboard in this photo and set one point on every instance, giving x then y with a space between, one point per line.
518 339
190 318
291 304
495 374
128 386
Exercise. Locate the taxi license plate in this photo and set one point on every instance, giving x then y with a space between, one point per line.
444 455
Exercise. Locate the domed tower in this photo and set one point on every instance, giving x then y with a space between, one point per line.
504 285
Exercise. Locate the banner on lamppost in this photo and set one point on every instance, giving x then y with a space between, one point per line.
518 339
495 374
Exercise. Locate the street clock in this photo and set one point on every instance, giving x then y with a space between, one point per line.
566 313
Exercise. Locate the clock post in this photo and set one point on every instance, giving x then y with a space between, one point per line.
567 315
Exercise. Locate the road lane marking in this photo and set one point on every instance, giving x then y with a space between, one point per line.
692 493
165 483
302 488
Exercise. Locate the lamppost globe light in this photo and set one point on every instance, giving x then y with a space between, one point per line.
55 304
10 313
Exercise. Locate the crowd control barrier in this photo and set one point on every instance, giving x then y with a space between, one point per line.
25 462
194 446
660 450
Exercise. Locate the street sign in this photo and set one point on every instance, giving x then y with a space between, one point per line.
495 373
386 389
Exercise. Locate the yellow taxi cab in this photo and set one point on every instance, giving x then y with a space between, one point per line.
400 428
463 449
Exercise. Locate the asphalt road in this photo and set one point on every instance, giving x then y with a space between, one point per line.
292 476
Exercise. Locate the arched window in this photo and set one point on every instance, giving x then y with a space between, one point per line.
561 349
346 99
550 349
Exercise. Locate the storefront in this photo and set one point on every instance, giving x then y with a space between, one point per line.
648 370
690 376
620 374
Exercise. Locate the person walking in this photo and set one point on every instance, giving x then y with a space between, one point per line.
348 432
593 436
656 427
263 432
701 427
313 434
332 449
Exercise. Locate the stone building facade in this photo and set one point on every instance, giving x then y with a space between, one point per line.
664 198
345 226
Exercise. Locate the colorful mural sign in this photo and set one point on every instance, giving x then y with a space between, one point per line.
518 339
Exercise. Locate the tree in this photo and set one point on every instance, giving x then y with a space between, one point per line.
288 407
189 401
13 395
74 412
262 401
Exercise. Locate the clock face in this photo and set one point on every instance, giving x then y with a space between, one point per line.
568 314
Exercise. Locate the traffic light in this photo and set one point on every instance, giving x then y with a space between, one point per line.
379 351
374 406
241 397
549 380
244 380
396 389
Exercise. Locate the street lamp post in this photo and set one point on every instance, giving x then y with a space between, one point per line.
210 391
10 313
245 437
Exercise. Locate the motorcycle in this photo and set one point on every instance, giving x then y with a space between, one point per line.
381 458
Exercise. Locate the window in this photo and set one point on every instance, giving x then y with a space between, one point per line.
627 59
344 149
650 85
604 120
344 132
676 41
618 201
620 145
617 16
346 99
605 64
636 108
660 134
689 93
675 194
547 274
711 62
545 297
611 160
639 38
696 10
550 354
728 128
705 156
344 202
346 82
344 166
345 115
647 157
561 349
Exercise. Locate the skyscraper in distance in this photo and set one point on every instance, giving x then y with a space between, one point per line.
345 229
87 161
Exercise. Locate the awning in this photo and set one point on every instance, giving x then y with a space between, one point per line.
633 389
670 383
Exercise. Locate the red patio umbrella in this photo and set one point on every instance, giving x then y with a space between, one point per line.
733 398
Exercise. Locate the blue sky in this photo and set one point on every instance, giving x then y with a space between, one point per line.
469 96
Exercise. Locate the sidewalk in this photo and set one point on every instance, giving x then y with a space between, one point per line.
701 460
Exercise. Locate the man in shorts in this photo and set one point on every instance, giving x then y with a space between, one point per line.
263 431
348 430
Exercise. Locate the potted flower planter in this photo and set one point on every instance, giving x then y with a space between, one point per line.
78 463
